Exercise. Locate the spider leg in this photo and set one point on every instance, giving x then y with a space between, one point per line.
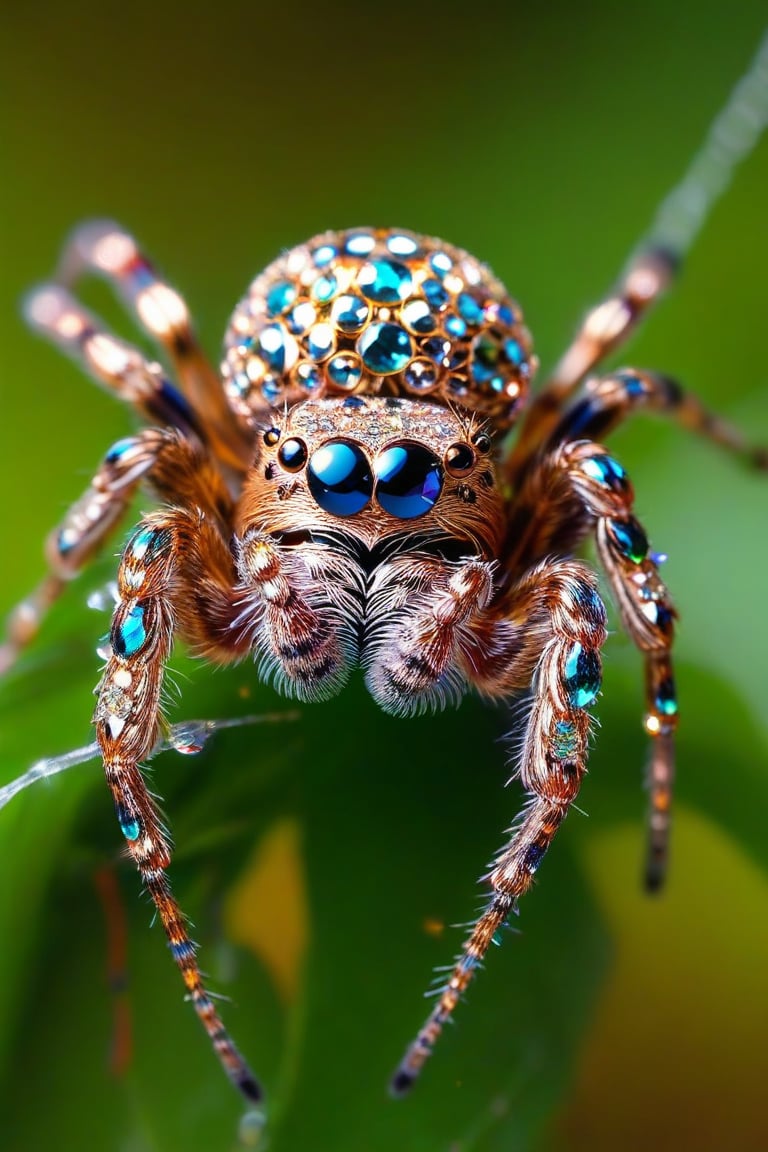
559 646
576 490
176 468
53 312
604 402
166 572
103 248
603 330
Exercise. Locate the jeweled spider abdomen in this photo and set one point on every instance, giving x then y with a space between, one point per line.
370 310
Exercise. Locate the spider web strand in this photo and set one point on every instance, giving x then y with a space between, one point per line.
732 137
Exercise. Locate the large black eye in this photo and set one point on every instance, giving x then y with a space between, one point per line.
339 478
409 480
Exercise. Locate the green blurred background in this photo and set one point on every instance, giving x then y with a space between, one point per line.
323 859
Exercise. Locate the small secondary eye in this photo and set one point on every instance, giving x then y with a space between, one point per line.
272 437
293 455
459 459
339 478
409 479
482 442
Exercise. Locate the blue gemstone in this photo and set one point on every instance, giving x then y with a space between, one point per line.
66 540
384 281
455 326
350 313
435 293
280 297
385 348
324 288
634 385
469 309
630 539
272 347
419 375
323 255
146 541
402 245
302 317
665 699
129 826
308 376
271 391
606 471
437 348
582 677
119 449
321 341
457 385
455 356
339 478
129 635
417 317
409 479
440 263
344 370
486 353
514 352
360 244
130 830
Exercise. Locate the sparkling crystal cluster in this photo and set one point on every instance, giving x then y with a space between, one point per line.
377 310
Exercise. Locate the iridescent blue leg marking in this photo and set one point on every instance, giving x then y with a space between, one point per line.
567 681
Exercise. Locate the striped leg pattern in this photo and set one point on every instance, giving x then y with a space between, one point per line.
605 402
55 314
603 331
579 489
159 574
173 466
103 248
561 651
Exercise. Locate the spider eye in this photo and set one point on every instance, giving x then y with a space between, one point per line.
293 455
482 442
339 478
409 480
460 459
272 437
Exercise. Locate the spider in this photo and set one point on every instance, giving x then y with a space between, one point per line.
344 494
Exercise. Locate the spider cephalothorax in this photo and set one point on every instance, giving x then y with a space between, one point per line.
340 496
368 507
